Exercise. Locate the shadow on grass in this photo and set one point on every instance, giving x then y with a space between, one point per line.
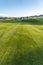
32 57
28 58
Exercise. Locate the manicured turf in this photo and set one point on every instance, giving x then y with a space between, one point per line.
21 44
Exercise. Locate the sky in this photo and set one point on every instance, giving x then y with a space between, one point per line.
19 8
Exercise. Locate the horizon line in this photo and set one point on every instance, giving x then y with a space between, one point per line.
21 16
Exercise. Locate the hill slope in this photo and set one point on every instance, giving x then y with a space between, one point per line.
31 21
21 44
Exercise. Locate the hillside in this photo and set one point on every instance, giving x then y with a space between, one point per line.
33 21
21 43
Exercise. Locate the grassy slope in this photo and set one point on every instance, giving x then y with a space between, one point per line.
21 44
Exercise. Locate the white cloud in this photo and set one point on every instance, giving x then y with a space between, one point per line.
25 13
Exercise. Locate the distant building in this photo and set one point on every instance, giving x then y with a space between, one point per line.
1 18
41 16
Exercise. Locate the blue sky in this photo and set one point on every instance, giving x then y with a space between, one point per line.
20 8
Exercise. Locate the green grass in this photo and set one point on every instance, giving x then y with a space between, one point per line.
21 44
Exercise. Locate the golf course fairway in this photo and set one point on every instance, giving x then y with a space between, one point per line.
21 44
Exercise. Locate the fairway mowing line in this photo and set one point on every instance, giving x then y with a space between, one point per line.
6 53
37 32
34 29
31 34
9 33
28 33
